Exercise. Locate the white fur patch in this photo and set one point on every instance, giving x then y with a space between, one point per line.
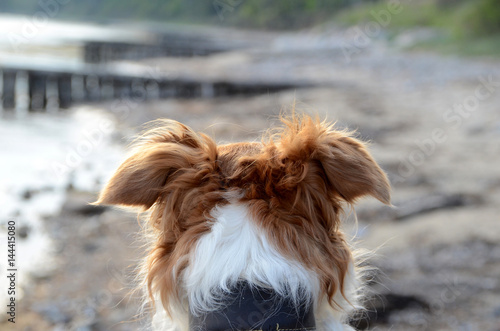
234 250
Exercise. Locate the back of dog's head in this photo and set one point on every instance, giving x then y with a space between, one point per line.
294 183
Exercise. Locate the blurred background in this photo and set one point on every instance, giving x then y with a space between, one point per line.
420 80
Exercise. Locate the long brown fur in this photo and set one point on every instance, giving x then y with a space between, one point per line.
295 182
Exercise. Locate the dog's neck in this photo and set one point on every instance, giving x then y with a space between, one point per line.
255 308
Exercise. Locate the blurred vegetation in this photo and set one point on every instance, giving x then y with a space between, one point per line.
461 18
468 26
466 17
290 14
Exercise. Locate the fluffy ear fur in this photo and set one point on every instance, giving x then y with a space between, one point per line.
348 168
351 170
160 154
294 183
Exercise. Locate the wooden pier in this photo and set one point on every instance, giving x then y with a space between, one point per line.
160 45
28 83
31 89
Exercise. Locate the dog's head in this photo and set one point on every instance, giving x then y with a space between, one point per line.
295 183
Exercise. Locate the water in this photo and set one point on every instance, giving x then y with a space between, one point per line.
41 156
27 42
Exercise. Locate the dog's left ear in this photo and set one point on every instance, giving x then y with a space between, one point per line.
350 169
163 154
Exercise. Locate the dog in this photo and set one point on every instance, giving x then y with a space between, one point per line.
246 236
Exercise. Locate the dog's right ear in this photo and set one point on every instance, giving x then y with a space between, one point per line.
161 154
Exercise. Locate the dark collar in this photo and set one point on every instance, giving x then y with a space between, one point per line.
255 309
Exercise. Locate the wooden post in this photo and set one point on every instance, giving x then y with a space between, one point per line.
77 88
138 90
92 88
1 93
37 86
152 90
22 97
107 90
9 89
207 90
167 90
121 88
64 90
52 94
